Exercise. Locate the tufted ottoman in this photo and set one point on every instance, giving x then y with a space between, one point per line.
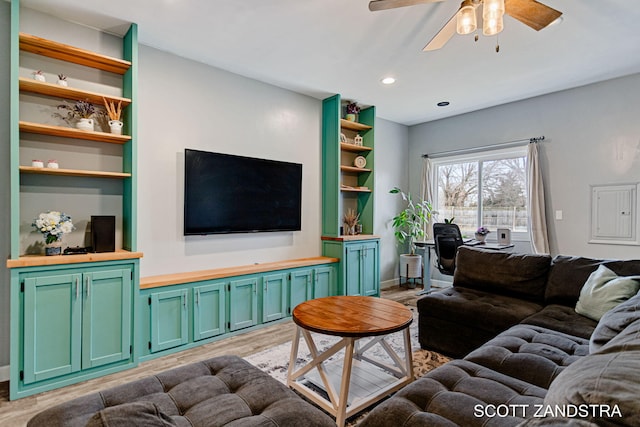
221 391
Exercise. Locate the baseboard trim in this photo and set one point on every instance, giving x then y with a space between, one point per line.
4 373
389 284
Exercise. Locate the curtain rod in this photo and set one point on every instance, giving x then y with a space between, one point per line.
486 147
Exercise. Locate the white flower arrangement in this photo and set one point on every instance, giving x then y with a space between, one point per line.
53 225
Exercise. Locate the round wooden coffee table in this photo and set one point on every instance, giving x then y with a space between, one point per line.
357 380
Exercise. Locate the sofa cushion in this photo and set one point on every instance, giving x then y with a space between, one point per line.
568 274
614 321
518 275
131 414
603 290
608 381
458 393
563 319
544 352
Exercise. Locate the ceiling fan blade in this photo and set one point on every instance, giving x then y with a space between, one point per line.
532 13
392 4
443 36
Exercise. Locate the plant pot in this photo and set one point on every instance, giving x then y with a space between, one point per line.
53 248
85 124
480 237
39 77
351 117
63 83
116 127
411 266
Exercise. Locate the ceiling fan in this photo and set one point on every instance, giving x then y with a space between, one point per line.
530 12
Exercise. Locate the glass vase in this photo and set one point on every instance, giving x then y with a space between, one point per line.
53 248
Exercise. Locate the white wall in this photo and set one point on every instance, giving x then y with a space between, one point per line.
391 157
186 104
592 137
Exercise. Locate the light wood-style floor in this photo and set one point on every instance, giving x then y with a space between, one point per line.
17 413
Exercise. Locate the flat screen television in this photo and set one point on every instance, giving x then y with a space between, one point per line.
224 193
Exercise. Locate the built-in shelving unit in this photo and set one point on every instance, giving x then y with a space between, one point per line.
72 316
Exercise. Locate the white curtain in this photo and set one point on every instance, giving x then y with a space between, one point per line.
535 201
427 189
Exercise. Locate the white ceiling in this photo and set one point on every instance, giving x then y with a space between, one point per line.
323 47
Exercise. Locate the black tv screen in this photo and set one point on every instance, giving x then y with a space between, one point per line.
224 193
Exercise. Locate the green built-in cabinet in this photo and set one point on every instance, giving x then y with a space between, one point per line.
70 323
348 185
174 317
72 317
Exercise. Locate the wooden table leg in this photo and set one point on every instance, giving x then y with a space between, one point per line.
344 384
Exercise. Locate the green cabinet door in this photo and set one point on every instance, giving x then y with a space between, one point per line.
323 282
169 319
243 303
301 287
274 296
209 302
52 324
353 270
369 263
106 326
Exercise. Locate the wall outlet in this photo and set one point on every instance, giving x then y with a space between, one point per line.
559 215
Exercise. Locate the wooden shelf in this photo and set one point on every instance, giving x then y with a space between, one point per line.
354 190
354 148
40 260
52 89
353 169
348 238
65 132
73 172
346 124
63 52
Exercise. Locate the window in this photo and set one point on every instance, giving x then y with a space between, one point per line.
484 189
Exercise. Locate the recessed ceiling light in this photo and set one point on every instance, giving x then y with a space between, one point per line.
388 81
442 103
557 21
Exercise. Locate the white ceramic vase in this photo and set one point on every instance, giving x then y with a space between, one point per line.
116 127
85 124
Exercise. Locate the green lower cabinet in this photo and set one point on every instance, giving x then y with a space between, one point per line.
274 296
243 303
359 271
169 319
209 311
301 287
74 320
323 282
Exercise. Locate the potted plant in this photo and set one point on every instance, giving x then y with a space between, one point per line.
409 225
53 225
39 76
114 112
350 220
62 80
352 110
81 111
481 233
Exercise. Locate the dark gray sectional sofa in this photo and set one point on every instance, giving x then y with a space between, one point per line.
525 356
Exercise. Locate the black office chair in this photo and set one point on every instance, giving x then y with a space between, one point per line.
447 239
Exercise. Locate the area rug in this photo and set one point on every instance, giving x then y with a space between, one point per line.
275 360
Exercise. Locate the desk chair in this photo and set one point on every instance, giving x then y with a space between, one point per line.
447 239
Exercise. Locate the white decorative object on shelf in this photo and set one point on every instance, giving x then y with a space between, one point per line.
62 80
37 163
357 140
116 127
85 124
37 75
360 162
53 164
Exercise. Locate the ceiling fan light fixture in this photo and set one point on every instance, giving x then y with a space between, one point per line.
492 25
466 20
491 8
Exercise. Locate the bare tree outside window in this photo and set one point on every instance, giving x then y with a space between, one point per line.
499 185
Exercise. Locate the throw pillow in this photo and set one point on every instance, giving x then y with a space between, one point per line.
603 290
